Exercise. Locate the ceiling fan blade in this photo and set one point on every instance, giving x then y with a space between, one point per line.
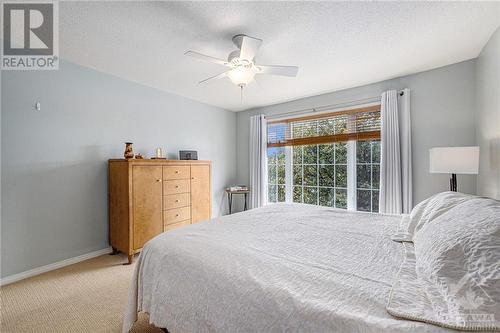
279 70
249 47
206 58
215 77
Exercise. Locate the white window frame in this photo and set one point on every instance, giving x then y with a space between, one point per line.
288 175
351 175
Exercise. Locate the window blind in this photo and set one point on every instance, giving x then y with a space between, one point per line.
354 124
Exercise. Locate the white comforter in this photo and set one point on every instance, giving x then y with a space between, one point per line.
293 268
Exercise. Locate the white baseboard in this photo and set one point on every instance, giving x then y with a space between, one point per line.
50 267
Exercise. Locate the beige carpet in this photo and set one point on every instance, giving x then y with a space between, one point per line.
86 297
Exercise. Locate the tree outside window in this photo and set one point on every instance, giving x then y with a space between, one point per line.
276 174
331 160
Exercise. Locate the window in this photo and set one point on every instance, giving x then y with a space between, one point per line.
367 175
320 174
329 160
276 174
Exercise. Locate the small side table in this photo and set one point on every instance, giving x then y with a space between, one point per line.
230 198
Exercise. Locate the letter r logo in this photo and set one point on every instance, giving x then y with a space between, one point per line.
28 29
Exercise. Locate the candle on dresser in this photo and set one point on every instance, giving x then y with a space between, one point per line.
158 153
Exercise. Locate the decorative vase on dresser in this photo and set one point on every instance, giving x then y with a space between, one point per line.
148 197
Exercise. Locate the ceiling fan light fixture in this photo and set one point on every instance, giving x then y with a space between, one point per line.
241 75
241 62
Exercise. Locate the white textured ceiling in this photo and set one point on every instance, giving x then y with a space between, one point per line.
336 44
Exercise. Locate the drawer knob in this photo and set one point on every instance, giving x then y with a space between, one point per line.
176 215
176 186
158 180
177 200
176 171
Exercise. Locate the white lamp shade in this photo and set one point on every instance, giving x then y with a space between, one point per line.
459 160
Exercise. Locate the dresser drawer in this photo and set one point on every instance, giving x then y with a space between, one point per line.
168 227
176 186
175 215
176 200
176 172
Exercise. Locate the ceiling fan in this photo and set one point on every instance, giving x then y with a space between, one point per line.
242 62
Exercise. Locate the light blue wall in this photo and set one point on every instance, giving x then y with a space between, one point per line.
488 117
54 161
442 114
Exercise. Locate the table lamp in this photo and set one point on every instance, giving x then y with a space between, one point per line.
461 160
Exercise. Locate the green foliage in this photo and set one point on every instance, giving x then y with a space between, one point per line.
326 196
363 152
322 170
281 193
326 154
341 153
281 174
309 130
367 175
341 126
271 195
341 198
271 174
319 172
310 178
375 176
297 154
326 175
297 194
375 201
341 176
375 151
363 176
297 174
276 174
310 195
311 154
296 130
326 127
363 199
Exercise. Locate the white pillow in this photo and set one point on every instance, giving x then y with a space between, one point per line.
433 207
458 262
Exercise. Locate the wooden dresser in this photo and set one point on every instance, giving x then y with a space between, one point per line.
148 197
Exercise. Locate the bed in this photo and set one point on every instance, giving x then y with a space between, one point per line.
280 268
